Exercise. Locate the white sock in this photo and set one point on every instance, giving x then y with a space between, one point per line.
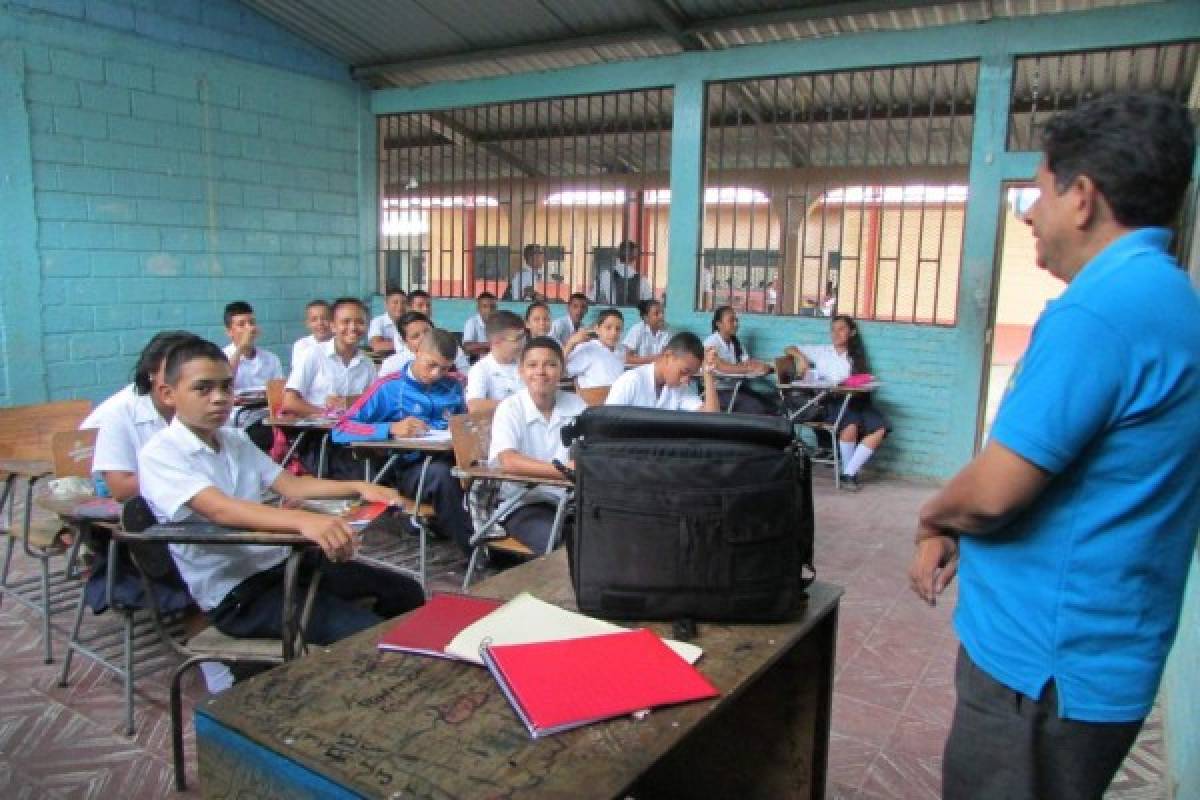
847 454
217 676
860 457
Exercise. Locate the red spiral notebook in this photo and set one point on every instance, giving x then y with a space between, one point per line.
362 516
431 627
558 685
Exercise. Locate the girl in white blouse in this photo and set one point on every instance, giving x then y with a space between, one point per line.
753 396
595 356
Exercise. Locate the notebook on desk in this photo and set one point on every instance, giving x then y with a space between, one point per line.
428 629
558 685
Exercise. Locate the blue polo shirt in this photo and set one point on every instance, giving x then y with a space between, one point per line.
1085 587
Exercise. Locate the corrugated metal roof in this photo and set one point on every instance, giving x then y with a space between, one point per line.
426 41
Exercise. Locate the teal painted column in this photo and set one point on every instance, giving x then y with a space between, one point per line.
687 169
21 286
985 179
368 197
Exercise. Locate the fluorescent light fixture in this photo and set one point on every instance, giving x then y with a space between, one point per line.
457 201
405 223
587 197
896 195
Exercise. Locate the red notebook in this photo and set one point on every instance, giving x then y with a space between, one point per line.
362 516
558 685
431 627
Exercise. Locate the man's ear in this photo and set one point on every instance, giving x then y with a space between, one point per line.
1088 205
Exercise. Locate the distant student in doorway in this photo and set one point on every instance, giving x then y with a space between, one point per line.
623 284
732 359
252 367
537 320
475 337
410 328
197 468
494 377
567 325
527 438
666 382
647 338
318 317
596 357
381 335
522 284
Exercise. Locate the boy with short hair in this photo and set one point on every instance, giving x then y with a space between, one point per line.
407 404
409 330
494 377
197 468
252 367
333 370
665 382
318 316
381 335
475 335
566 326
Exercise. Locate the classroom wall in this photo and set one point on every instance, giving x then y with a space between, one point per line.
1182 697
182 154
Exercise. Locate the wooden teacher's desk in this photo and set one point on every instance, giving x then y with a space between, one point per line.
350 721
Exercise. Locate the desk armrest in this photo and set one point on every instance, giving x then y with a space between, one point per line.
212 534
490 474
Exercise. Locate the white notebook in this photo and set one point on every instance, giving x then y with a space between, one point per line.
527 619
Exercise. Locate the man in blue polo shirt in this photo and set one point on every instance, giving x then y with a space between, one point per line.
1073 529
409 403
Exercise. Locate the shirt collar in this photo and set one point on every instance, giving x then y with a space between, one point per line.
144 410
531 413
191 443
1114 257
329 349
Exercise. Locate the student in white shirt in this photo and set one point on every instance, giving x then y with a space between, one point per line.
647 338
494 377
381 334
623 284
595 356
475 338
196 469
317 318
537 320
252 367
420 301
411 326
527 438
522 284
335 370
732 359
863 427
666 382
566 326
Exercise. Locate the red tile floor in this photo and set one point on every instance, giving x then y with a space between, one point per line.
893 693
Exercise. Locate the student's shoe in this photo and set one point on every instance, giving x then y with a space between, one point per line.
849 483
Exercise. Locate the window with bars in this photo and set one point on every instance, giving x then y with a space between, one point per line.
464 192
838 192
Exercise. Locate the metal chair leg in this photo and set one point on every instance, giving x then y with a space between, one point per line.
129 673
66 668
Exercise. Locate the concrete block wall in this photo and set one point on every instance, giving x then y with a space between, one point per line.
171 177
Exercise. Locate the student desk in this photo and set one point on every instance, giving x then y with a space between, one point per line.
350 721
821 390
732 382
302 426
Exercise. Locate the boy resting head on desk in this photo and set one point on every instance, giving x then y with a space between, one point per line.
197 469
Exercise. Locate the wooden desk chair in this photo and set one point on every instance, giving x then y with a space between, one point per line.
146 541
275 389
594 396
26 453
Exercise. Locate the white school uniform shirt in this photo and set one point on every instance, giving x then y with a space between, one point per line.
636 388
301 346
475 330
381 326
112 404
253 373
524 279
321 373
592 364
641 341
175 466
131 419
518 425
827 361
396 361
563 329
724 349
488 379
602 291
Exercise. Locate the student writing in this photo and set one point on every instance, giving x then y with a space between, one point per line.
665 382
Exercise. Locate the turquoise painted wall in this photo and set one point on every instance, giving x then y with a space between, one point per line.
182 154
1181 697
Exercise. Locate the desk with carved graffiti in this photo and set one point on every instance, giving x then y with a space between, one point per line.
350 721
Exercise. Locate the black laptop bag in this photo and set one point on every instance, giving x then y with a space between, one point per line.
689 516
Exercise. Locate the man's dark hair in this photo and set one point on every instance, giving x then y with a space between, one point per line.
391 290
503 321
485 295
1137 149
236 309
441 342
415 293
408 318
349 301
152 356
626 249
609 312
533 305
685 343
543 343
579 296
644 307
317 304
528 251
187 350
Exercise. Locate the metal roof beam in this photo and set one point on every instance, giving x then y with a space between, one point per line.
459 135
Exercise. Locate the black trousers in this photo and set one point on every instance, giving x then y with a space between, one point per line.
1005 746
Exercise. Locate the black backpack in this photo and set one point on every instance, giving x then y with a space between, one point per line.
689 516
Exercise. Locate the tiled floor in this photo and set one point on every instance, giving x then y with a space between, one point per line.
892 703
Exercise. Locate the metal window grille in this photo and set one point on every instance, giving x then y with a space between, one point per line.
1046 84
838 192
463 192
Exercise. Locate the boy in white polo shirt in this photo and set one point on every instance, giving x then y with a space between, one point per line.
381 335
334 370
252 367
565 326
596 357
494 377
646 339
196 468
317 318
475 334
665 383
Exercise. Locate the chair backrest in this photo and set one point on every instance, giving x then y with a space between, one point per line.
25 431
275 396
471 435
785 369
594 396
73 451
